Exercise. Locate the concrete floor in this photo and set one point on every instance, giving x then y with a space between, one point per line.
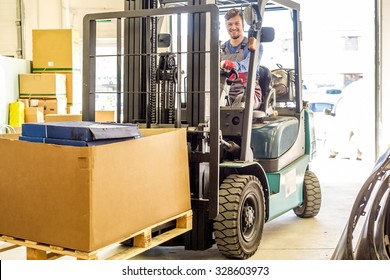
287 237
291 238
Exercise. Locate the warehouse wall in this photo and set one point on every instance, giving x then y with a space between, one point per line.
385 89
8 28
9 86
48 14
39 14
57 14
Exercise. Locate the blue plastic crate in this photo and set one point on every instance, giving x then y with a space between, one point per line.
79 143
32 139
80 131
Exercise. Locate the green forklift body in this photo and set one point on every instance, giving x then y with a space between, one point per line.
283 189
286 187
274 137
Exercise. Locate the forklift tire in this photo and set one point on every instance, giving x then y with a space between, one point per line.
311 197
238 227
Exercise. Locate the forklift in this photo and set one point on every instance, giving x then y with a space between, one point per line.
247 167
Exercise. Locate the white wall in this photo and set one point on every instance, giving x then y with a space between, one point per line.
8 31
40 14
57 14
9 85
385 74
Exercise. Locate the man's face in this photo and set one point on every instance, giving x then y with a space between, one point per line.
234 27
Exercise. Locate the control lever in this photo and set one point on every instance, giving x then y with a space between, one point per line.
231 147
227 79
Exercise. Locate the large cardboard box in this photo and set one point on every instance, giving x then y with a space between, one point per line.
85 198
42 85
56 50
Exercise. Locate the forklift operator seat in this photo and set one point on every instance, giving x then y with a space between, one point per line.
265 79
265 83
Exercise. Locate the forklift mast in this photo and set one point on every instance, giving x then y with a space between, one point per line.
174 81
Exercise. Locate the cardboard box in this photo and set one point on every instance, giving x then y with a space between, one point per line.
73 86
85 198
105 116
100 116
53 106
25 101
63 117
33 115
56 50
42 85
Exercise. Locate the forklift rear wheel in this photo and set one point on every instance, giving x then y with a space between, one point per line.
239 225
311 197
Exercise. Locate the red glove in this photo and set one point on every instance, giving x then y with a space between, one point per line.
227 65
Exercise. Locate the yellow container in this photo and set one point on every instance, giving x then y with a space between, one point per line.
16 113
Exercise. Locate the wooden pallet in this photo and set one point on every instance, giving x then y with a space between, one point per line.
142 241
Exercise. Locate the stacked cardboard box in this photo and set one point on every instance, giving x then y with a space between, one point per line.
42 94
42 86
56 82
58 51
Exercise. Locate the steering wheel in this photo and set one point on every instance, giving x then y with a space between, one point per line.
229 75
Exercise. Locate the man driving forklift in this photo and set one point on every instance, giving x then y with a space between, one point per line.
235 55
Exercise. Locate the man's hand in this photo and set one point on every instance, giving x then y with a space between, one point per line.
227 65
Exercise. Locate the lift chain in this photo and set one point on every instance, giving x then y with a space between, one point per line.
167 79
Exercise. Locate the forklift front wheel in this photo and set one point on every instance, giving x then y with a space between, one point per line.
239 225
311 204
